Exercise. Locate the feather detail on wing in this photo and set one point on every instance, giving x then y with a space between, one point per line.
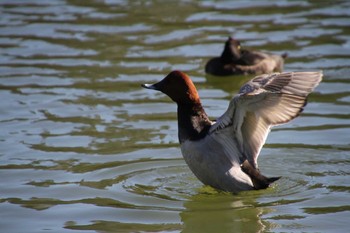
263 102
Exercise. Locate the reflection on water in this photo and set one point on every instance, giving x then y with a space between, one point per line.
84 148
224 213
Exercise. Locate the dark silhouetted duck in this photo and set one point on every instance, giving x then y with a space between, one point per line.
224 153
235 60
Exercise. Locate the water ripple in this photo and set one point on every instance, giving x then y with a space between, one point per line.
83 147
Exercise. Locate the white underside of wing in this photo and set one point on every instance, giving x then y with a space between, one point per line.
263 102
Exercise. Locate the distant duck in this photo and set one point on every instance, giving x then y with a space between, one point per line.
224 153
237 61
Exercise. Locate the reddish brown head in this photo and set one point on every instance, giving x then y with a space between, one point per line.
178 86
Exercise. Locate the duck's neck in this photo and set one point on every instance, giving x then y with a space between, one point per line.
193 122
228 56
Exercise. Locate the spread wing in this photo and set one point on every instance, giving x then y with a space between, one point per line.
263 102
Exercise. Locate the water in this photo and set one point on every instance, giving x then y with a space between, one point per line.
83 148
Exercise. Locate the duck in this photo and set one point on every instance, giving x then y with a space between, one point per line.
223 153
235 60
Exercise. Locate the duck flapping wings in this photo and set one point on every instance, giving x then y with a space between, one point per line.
265 101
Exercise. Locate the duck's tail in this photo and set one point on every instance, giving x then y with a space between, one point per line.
259 181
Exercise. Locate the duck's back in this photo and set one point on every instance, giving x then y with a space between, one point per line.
256 62
250 58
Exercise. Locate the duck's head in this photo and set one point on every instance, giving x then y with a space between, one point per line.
232 50
178 86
